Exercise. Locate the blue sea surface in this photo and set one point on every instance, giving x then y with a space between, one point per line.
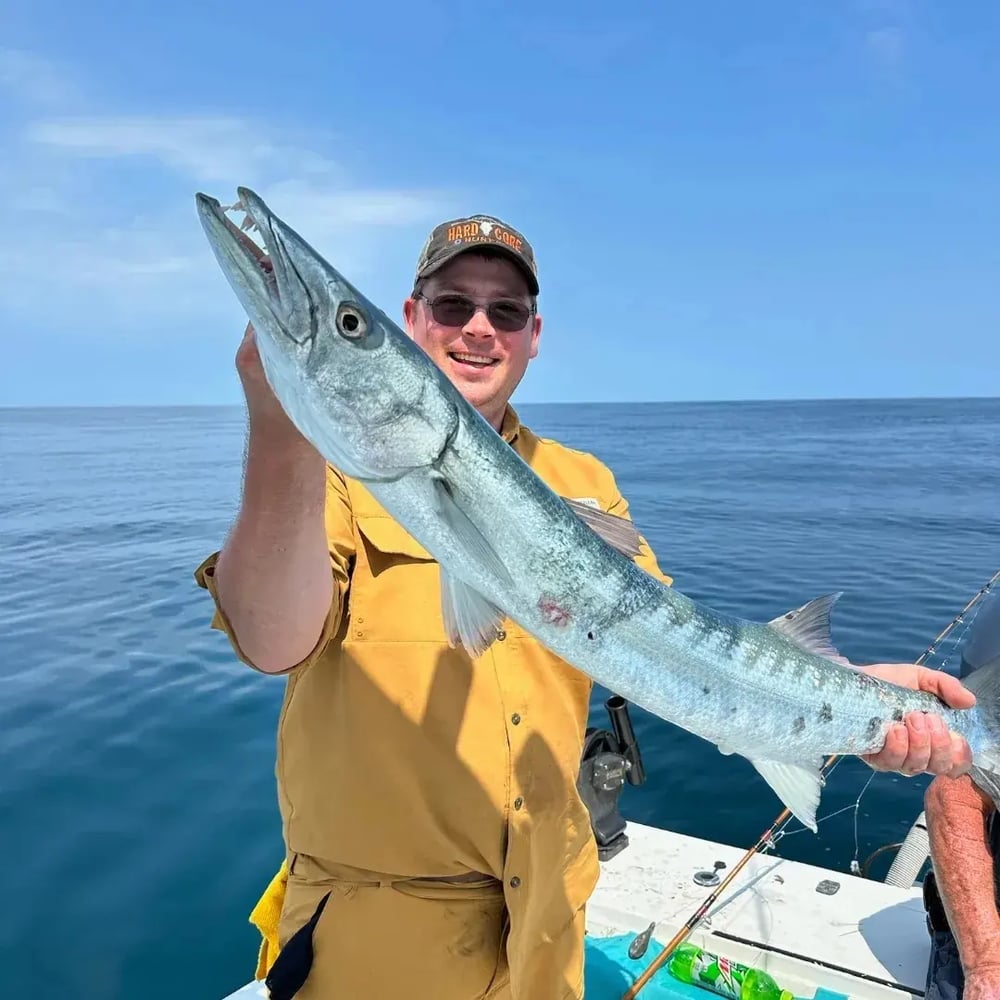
139 821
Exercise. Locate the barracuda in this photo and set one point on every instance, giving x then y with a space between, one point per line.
376 407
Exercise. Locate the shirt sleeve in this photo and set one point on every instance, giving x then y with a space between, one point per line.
340 538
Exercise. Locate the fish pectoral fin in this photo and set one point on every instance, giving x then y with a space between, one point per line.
619 532
469 618
809 628
797 785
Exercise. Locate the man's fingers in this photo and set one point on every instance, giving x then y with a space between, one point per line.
922 744
918 754
949 689
940 757
893 752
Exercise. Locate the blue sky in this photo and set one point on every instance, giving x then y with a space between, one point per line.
772 200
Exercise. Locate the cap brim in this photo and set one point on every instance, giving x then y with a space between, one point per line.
438 262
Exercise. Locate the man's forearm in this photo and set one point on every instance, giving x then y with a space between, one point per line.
273 575
963 866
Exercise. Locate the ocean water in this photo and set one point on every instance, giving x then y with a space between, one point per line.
137 815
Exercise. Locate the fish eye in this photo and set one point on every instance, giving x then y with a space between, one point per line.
351 321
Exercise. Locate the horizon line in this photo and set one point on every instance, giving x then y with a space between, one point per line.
579 402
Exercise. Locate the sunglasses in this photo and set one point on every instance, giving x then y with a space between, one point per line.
456 310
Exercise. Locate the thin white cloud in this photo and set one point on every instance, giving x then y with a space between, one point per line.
204 148
99 208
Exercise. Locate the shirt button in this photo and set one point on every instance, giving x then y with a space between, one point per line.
516 719
518 802
501 635
515 882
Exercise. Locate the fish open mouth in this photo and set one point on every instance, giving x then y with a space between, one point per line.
242 235
243 251
279 279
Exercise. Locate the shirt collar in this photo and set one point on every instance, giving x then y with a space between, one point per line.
510 427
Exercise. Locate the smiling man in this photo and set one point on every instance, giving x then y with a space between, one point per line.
475 314
436 841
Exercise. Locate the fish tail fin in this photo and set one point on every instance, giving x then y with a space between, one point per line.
984 683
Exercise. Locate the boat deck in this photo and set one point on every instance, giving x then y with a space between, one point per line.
866 939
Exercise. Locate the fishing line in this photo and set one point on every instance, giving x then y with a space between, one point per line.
770 836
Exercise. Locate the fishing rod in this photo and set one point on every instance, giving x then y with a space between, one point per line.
768 836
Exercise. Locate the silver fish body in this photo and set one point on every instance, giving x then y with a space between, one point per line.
370 400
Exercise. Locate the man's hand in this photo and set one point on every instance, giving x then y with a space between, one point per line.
983 983
921 742
260 397
266 413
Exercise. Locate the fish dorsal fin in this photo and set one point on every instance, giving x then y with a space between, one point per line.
469 618
809 627
619 532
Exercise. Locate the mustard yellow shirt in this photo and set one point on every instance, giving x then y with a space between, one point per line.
398 754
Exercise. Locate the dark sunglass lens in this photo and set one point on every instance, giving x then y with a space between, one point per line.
452 310
509 315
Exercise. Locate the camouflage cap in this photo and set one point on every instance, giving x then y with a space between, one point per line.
475 232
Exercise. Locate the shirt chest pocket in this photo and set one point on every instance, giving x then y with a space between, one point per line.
395 587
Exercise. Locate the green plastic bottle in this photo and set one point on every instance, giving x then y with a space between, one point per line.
693 965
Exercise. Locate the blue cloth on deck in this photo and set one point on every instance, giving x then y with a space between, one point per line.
609 972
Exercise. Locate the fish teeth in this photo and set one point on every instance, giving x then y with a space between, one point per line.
247 223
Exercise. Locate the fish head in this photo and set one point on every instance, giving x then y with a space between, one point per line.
348 378
293 297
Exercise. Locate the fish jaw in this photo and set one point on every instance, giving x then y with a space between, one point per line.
348 378
315 296
242 264
288 290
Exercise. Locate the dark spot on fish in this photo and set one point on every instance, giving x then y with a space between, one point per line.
897 715
706 689
799 724
874 725
789 616
826 712
590 635
733 710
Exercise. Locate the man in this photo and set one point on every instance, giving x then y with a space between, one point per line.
962 892
436 844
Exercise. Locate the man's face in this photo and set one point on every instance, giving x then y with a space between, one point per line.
484 360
